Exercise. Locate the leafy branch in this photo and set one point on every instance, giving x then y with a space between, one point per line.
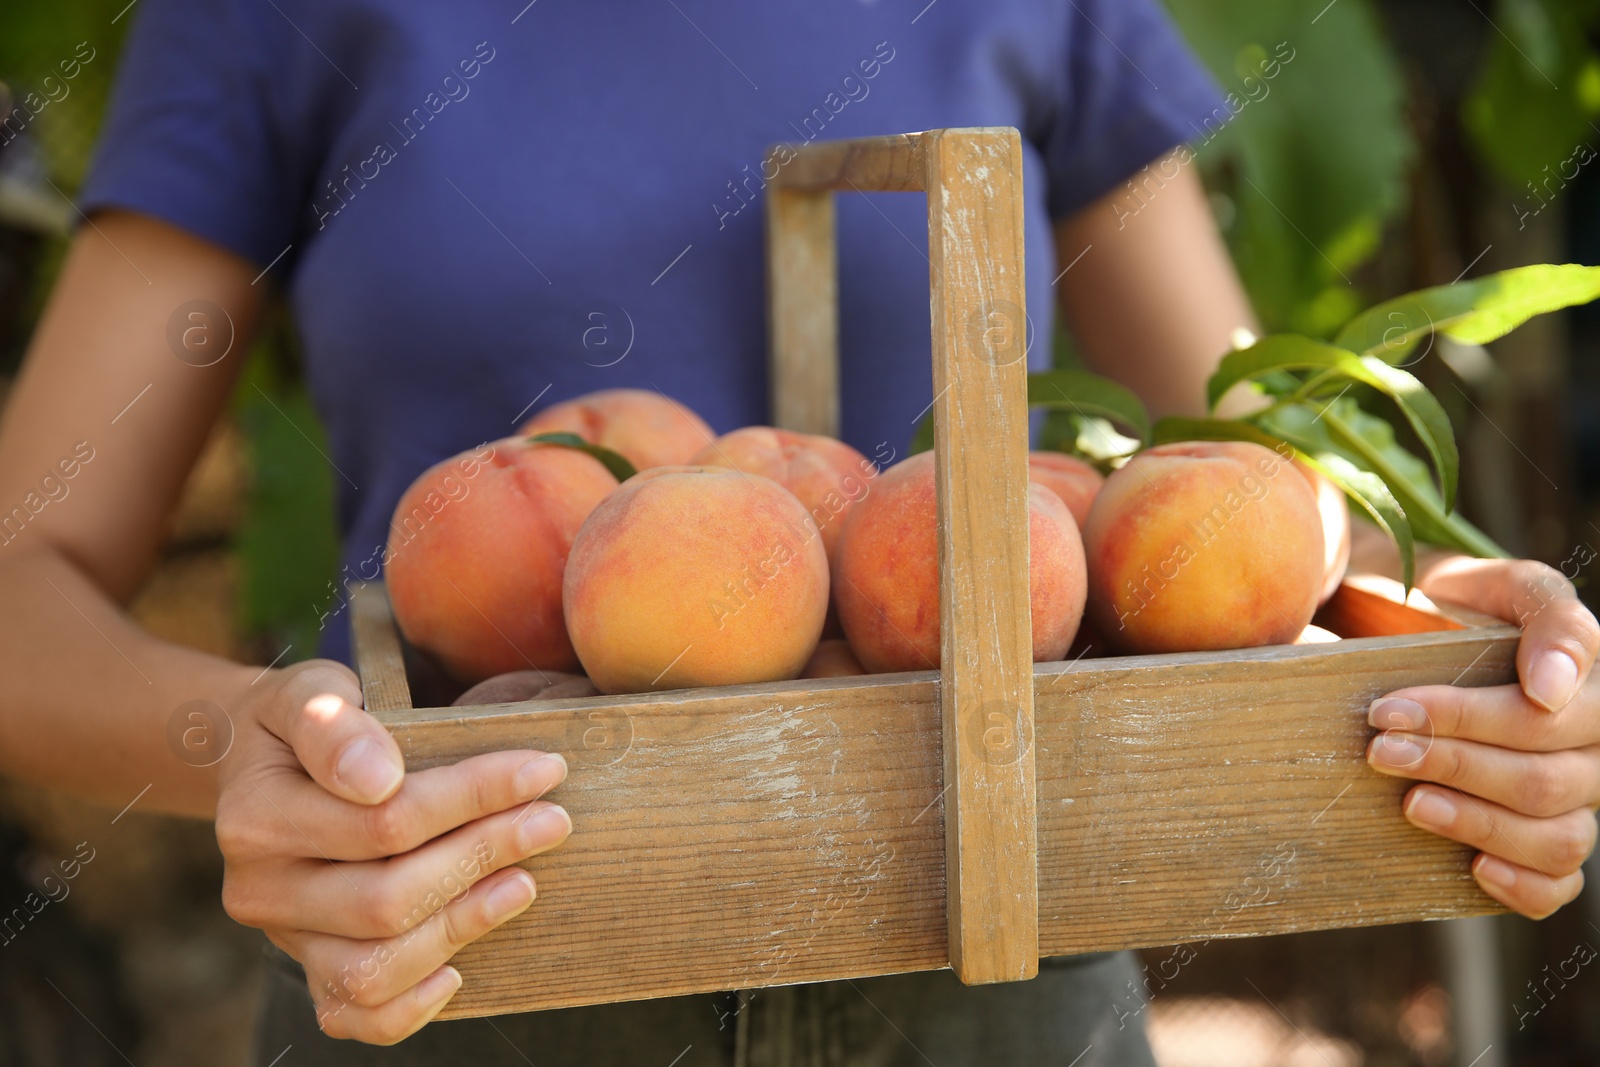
1313 396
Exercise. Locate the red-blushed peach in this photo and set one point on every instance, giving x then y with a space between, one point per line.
645 427
833 659
827 476
886 584
1335 510
1203 545
476 551
518 686
691 576
1069 478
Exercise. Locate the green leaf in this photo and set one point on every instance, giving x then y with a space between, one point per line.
1089 395
615 462
1429 521
1473 312
1181 428
1289 352
1370 493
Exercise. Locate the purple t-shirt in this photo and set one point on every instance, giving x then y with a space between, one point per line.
480 209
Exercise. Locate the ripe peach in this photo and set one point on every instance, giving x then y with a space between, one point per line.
826 475
649 429
833 659
1203 545
1335 512
518 686
689 576
1069 478
886 584
476 550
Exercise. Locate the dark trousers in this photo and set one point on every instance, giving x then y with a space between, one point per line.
1081 1011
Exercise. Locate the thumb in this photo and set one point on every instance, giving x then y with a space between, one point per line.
318 714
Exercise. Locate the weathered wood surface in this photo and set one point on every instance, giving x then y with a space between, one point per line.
803 311
980 387
758 835
380 660
870 164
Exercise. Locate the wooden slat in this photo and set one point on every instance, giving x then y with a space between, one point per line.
870 164
980 386
803 311
379 658
758 835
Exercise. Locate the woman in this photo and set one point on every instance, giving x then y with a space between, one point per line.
456 199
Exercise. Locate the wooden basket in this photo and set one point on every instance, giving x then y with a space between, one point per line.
977 817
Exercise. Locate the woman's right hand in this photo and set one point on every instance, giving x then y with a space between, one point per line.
370 877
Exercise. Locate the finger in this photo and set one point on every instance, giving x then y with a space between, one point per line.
1560 637
379 899
286 814
345 750
1532 893
371 973
391 1023
1533 783
1556 846
1493 715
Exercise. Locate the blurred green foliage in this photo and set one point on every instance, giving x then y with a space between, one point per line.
1314 163
287 541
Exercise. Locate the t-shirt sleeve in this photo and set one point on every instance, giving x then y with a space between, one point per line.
190 136
1130 92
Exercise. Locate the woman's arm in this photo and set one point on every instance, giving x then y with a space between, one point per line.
102 396
1514 770
328 846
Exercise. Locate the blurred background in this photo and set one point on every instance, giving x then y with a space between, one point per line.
1406 143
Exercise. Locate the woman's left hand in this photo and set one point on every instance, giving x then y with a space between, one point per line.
1512 770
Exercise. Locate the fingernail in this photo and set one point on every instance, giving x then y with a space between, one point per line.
1394 750
542 827
1496 872
1397 713
367 770
1553 679
539 776
439 986
509 897
1433 810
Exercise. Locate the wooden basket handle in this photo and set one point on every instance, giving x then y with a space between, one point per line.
973 182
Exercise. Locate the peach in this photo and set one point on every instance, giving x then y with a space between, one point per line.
886 584
690 576
833 659
476 551
827 476
1204 545
1069 478
518 686
646 427
1335 512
